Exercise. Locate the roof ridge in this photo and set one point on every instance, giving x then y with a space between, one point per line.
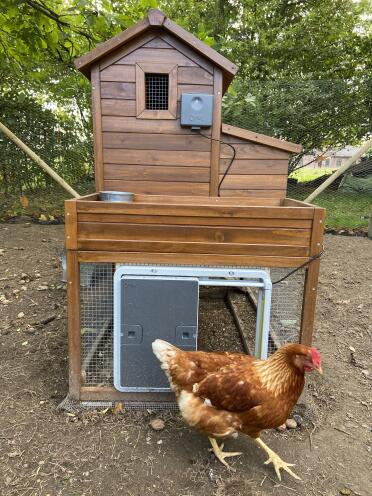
156 18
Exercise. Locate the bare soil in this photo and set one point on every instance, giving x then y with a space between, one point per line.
47 452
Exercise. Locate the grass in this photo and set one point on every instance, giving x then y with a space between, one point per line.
46 202
344 210
306 174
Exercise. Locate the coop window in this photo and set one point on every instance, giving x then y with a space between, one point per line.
157 91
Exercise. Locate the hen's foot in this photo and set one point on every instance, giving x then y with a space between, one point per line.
276 461
221 455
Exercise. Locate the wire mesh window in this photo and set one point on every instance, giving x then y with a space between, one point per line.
157 91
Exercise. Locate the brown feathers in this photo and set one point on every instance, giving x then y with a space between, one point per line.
224 393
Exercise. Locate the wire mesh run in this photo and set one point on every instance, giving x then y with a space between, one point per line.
157 89
96 308
286 307
96 326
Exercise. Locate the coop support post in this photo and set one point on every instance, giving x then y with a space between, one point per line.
38 161
73 299
311 279
363 149
73 318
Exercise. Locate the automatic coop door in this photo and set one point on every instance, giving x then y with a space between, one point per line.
147 308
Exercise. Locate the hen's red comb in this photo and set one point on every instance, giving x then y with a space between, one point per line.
315 357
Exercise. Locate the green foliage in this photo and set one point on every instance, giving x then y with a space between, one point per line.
318 114
54 135
304 67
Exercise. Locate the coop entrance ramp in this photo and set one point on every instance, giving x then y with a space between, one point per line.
153 302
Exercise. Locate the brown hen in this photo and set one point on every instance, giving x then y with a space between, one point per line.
222 394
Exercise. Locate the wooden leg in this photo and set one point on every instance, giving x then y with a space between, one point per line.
73 310
308 309
311 281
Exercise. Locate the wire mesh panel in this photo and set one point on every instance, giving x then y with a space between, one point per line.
96 310
157 87
286 307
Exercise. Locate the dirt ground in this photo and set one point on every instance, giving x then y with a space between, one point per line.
47 452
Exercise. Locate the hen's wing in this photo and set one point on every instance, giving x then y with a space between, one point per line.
185 368
235 388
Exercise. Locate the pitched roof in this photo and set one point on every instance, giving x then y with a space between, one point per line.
261 138
156 18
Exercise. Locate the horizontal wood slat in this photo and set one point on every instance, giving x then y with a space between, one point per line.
133 125
194 75
125 91
121 73
157 43
198 209
202 221
254 181
192 247
252 151
118 107
156 173
194 88
146 232
154 188
186 258
155 157
188 52
160 55
156 141
208 200
259 193
127 48
254 166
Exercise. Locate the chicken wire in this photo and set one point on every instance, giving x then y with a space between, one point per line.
96 314
96 323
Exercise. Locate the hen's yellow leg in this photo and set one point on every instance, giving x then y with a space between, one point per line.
276 460
221 455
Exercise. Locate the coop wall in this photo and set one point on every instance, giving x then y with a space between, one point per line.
153 155
257 171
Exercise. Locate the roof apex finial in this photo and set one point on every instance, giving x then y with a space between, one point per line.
156 17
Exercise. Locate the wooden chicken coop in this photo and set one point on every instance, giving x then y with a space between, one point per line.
184 211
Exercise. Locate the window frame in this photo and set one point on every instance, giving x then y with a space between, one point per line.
154 68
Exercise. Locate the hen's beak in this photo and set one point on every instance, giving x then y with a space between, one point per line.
319 370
